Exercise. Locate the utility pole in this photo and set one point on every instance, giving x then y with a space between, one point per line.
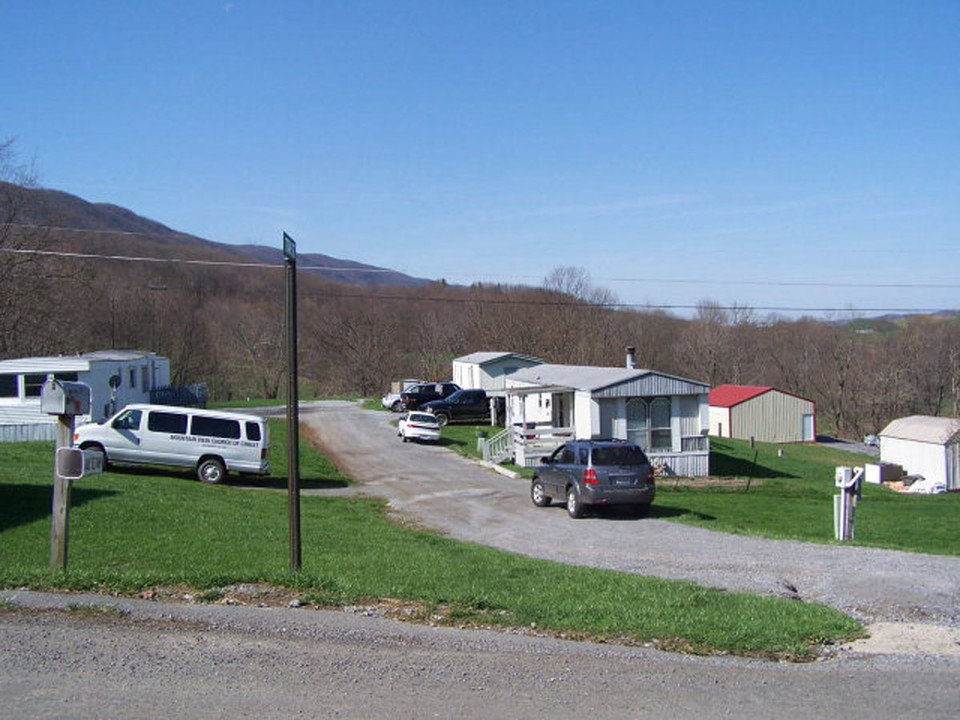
293 419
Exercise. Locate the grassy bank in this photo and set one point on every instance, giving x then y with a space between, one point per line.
135 530
791 496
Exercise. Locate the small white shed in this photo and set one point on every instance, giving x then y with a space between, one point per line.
489 370
924 445
116 379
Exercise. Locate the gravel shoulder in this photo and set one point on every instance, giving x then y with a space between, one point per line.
435 487
123 657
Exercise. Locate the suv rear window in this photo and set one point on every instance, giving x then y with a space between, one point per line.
619 455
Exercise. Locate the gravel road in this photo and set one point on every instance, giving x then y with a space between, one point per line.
469 501
149 659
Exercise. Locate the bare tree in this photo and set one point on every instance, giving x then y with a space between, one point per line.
22 273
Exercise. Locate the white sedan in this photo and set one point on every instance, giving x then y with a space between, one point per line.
418 426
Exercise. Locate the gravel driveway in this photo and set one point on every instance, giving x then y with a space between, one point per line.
155 659
469 501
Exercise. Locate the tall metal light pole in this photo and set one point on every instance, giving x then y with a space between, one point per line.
293 419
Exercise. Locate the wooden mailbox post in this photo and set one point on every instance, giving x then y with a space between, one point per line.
66 400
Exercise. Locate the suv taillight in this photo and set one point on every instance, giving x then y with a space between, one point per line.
651 474
589 476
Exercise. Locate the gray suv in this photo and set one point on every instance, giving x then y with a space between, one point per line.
594 472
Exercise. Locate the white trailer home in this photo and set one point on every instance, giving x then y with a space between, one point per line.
924 445
116 379
489 370
665 415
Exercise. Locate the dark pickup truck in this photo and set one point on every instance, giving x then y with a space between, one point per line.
415 396
463 405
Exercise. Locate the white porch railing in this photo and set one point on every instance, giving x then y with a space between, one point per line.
524 445
694 444
498 448
532 443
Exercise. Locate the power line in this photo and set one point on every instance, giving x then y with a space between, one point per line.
329 268
506 301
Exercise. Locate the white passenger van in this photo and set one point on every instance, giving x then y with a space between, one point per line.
210 441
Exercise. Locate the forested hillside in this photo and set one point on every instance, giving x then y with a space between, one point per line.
222 323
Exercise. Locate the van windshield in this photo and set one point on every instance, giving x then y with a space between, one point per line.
127 420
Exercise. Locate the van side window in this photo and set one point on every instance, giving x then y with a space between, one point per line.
127 420
215 427
166 422
9 386
253 431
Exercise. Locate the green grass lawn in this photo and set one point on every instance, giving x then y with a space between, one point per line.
792 497
135 530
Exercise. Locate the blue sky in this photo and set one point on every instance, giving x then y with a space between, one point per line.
769 154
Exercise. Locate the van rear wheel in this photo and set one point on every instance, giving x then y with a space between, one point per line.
211 470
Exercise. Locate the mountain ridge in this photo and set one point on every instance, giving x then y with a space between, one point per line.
52 210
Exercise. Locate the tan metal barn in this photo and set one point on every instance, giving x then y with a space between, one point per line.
763 413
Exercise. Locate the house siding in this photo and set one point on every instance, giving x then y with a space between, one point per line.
491 375
93 370
651 385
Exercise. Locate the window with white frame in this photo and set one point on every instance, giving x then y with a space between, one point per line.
661 437
649 424
637 423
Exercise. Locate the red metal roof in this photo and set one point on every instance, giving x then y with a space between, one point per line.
730 395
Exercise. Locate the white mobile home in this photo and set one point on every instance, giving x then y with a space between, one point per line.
665 415
116 379
924 445
489 370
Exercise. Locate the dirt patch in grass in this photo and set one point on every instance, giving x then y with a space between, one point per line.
708 482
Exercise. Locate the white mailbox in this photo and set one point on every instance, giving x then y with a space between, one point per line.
59 397
74 463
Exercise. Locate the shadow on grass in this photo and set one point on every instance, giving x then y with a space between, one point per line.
626 513
727 466
273 482
280 483
24 504
660 511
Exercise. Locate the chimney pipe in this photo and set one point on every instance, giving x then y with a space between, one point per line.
631 358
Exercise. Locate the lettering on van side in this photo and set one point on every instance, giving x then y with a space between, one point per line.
214 441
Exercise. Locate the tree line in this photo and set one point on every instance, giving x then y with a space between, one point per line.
224 325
